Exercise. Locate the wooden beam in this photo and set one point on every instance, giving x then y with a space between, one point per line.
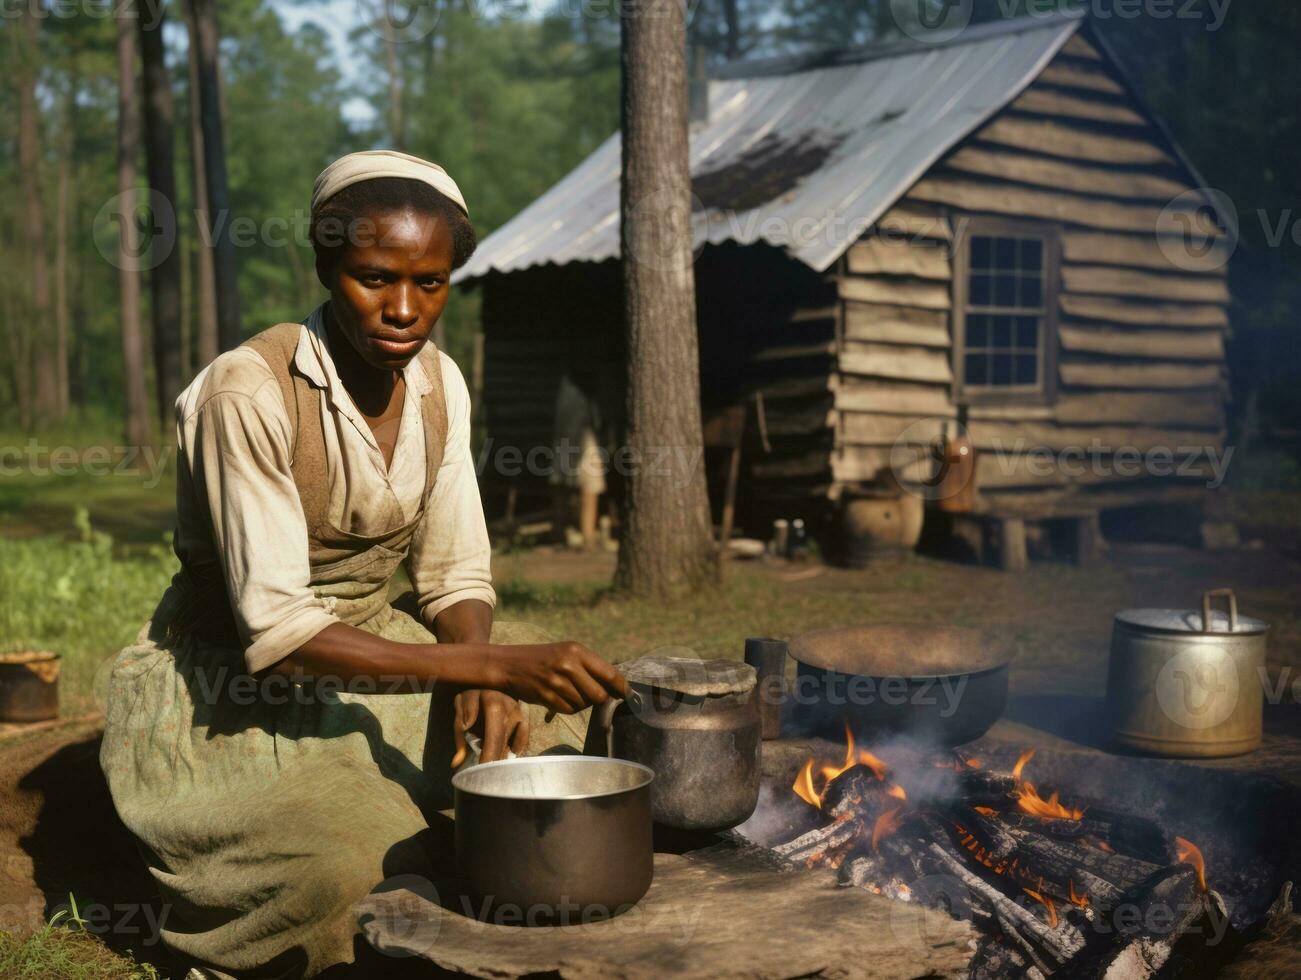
1105 248
896 325
1140 376
1013 437
1169 315
1077 47
794 352
1072 75
1050 102
907 221
897 292
991 160
898 398
1015 199
1190 345
885 256
1199 410
864 429
1108 281
888 361
1070 142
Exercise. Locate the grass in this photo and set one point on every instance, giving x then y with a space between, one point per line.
63 950
83 597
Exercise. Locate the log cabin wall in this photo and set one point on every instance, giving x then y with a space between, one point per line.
1136 355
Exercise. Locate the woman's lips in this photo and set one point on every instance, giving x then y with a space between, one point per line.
396 348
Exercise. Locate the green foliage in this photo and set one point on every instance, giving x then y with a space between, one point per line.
81 598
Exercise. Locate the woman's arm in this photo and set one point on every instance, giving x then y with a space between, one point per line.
564 677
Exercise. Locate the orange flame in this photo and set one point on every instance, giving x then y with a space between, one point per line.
973 763
1047 903
1079 900
886 824
804 786
897 792
1187 853
1029 801
988 811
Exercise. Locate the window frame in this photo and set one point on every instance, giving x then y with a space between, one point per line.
1045 393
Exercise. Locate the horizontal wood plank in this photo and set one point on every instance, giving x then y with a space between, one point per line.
907 221
889 361
1015 199
887 256
1200 410
871 429
896 325
855 395
1070 74
990 160
1122 375
1051 102
1170 315
1189 345
897 292
1071 142
1148 251
1107 281
1016 437
1077 47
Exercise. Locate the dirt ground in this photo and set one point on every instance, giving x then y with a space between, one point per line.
60 835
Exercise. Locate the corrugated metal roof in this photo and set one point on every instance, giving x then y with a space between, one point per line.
868 130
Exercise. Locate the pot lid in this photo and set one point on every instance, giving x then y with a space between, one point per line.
690 675
1189 621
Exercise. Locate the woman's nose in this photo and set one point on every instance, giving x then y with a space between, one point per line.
400 308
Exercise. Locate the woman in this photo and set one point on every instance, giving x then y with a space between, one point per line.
280 735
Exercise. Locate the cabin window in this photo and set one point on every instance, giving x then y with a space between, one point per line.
1005 301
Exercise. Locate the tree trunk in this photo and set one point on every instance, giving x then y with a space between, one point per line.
64 208
733 22
205 288
667 547
160 153
45 397
214 161
128 148
397 121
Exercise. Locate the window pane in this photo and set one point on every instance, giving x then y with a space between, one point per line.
981 292
982 252
1002 332
1032 250
977 331
1027 332
1027 369
976 373
1000 369
1032 293
1005 290
1005 253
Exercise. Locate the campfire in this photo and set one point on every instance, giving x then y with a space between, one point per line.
1057 886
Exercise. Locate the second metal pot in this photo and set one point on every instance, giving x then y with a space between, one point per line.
1187 682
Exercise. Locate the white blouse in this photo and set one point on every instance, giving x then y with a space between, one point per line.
234 439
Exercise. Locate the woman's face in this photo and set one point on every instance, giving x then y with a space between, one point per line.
390 285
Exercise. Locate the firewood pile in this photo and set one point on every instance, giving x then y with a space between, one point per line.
1064 890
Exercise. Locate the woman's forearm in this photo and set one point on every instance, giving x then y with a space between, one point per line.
348 654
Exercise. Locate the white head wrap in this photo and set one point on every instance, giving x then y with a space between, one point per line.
370 164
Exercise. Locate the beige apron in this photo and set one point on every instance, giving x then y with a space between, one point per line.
265 809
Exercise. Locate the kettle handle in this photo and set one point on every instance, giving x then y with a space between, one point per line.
1206 608
600 730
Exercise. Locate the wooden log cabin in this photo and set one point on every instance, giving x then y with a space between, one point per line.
993 230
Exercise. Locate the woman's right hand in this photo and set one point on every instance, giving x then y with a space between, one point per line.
565 677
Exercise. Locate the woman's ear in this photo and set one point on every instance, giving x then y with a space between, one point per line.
325 272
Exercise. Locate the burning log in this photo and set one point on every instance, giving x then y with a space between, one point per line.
818 843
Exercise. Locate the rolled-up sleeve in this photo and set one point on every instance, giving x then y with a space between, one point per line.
238 447
451 558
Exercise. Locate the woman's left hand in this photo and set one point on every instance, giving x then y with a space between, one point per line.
495 717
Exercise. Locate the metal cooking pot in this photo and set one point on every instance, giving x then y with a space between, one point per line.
1187 682
553 840
947 684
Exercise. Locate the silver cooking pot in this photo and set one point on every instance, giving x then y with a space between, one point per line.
553 840
1187 682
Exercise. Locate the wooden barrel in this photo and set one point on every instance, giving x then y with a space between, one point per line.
29 686
880 527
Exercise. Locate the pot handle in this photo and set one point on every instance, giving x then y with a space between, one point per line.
600 730
1206 608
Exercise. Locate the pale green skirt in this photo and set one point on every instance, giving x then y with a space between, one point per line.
264 809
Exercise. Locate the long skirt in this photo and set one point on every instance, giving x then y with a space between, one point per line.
265 809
